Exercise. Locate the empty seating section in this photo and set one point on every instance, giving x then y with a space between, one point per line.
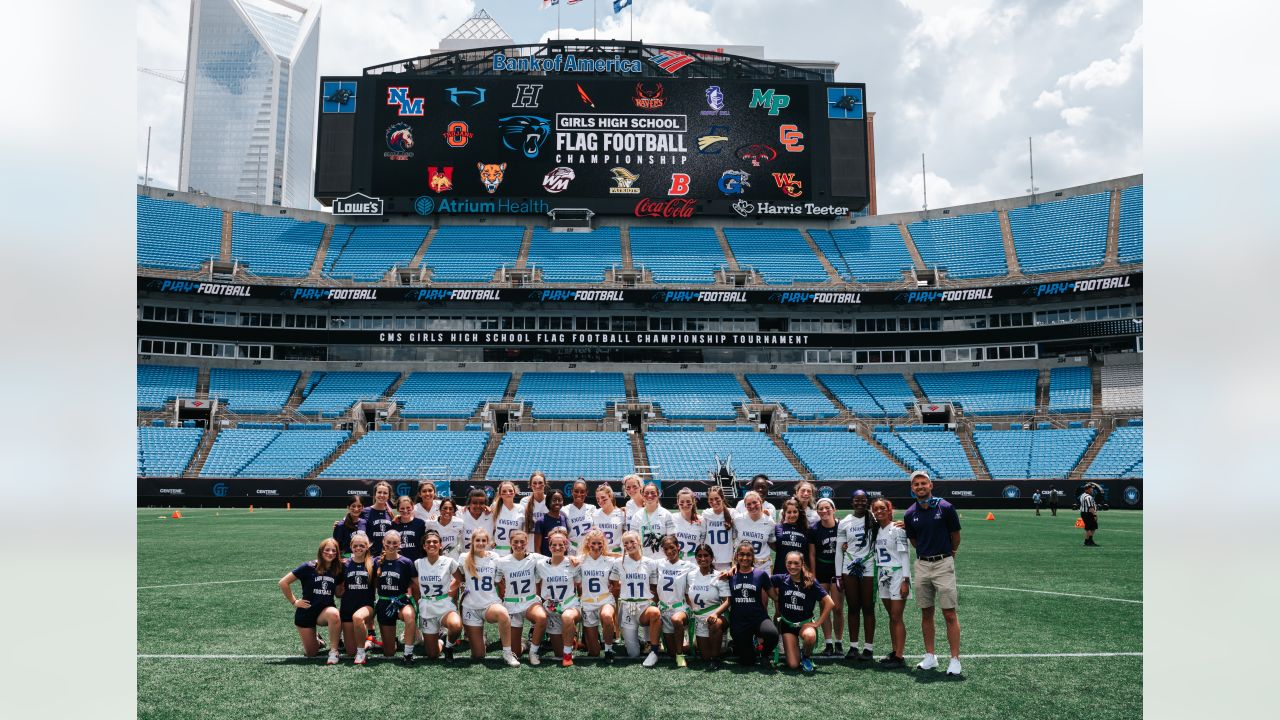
872 254
252 391
691 455
1122 387
268 453
177 235
1032 454
827 246
449 394
879 394
158 384
683 255
367 252
411 454
472 253
233 449
832 456
1129 241
968 246
575 256
780 255
796 393
1066 234
274 245
166 452
563 456
939 452
712 396
1070 390
570 395
992 392
1120 456
337 391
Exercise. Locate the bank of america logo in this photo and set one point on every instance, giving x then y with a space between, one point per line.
671 60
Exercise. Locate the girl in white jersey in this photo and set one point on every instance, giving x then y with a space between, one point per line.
708 594
759 485
559 579
439 585
577 514
535 503
599 574
632 486
428 507
638 580
673 582
475 516
652 522
893 561
507 516
855 570
687 525
479 574
449 527
755 527
609 519
519 585
721 536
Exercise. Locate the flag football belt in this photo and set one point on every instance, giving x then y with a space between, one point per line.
797 623
521 599
637 600
705 610
568 602
433 598
596 598
502 547
393 598
664 607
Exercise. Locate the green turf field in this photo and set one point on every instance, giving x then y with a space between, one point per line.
216 639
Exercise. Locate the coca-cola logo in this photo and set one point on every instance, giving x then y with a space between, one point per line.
672 208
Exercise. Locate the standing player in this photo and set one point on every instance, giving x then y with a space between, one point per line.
748 610
855 568
449 527
481 604
551 520
476 516
518 581
632 486
638 579
356 612
507 516
577 514
822 554
609 519
599 575
376 520
790 535
805 494
651 522
428 507
760 484
721 537
1035 501
673 582
535 503
687 524
320 580
559 579
396 580
708 594
756 529
411 527
349 524
439 584
797 593
893 561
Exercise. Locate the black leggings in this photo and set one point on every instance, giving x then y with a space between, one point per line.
744 640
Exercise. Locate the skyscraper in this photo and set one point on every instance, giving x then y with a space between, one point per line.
248 115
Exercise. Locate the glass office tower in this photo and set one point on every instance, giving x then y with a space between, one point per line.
248 116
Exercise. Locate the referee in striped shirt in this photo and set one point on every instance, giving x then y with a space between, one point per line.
1089 514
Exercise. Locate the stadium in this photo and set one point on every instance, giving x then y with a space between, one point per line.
561 279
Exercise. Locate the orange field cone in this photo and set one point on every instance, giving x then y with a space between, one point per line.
991 516
250 508
288 506
177 515
1079 522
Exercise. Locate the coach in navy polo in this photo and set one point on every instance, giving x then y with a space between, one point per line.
934 529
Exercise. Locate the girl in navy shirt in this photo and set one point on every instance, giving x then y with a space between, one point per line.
411 528
376 520
550 521
321 582
822 558
349 525
395 579
797 594
792 534
748 617
357 597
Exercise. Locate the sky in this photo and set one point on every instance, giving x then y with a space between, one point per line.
964 82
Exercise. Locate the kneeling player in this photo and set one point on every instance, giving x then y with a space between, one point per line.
479 572
599 583
673 580
357 596
708 594
518 572
796 593
638 578
436 611
396 580
559 595
320 580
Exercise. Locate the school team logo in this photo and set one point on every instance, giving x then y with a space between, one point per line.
649 98
788 184
458 134
790 137
625 180
439 179
1011 492
772 101
709 144
492 175
524 133
733 182
715 101
526 96
399 142
220 489
408 107
313 491
679 184
826 491
463 97
557 180
756 154
339 97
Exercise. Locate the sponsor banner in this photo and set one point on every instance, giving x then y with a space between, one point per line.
1123 284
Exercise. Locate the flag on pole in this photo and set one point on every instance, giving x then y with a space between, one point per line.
574 2
619 4
548 3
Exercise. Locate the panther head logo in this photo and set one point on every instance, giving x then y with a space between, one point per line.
524 133
491 175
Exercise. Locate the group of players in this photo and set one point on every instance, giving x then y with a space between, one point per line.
553 564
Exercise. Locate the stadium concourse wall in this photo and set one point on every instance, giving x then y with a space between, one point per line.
1123 493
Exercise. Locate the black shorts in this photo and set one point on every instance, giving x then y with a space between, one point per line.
348 610
825 573
1090 520
307 617
786 628
388 611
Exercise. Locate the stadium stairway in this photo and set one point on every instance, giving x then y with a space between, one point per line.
1010 252
746 386
791 457
1086 460
317 264
202 383
629 382
391 391
624 243
1112 255
510 394
295 396
915 388
416 262
639 454
832 273
522 258
728 251
225 249
915 254
486 457
845 413
965 436
865 432
201 453
1096 378
1042 392
356 434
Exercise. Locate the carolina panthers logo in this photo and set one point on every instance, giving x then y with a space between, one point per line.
524 133
733 182
491 175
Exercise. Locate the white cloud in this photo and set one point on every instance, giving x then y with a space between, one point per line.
1076 116
1107 72
1048 100
1073 12
661 21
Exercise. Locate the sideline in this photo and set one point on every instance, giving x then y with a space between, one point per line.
214 582
319 658
1049 592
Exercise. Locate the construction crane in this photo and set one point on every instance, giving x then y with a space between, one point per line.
178 76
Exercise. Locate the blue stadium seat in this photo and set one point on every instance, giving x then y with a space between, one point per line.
968 246
337 391
836 456
780 255
449 394
570 395
580 257
177 235
252 391
939 452
796 393
367 252
472 253
1070 390
874 394
1129 241
691 455
158 384
166 452
992 392
1032 454
1061 235
411 455
270 453
712 396
1120 456
563 456
869 254
278 246
677 255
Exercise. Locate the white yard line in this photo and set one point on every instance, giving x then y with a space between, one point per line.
215 582
1050 592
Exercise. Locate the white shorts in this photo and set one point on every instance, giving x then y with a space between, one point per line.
868 568
591 616
517 618
668 624
430 624
629 613
891 583
700 626
555 624
473 617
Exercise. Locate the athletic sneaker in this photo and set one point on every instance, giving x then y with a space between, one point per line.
323 645
448 651
511 659
715 663
407 658
533 658
829 650
333 658
866 656
651 660
608 652
891 661
372 641
806 665
680 661
839 648
360 657
567 661
929 662
953 668
852 654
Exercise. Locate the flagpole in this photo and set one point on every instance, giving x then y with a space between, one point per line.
593 19
557 21
633 21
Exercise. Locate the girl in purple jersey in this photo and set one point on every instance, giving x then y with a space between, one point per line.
822 554
748 608
357 597
791 534
797 594
395 579
321 582
349 525
410 527
376 519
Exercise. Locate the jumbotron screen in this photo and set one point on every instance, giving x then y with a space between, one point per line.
652 147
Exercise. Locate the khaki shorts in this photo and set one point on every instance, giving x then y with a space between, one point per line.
935 581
